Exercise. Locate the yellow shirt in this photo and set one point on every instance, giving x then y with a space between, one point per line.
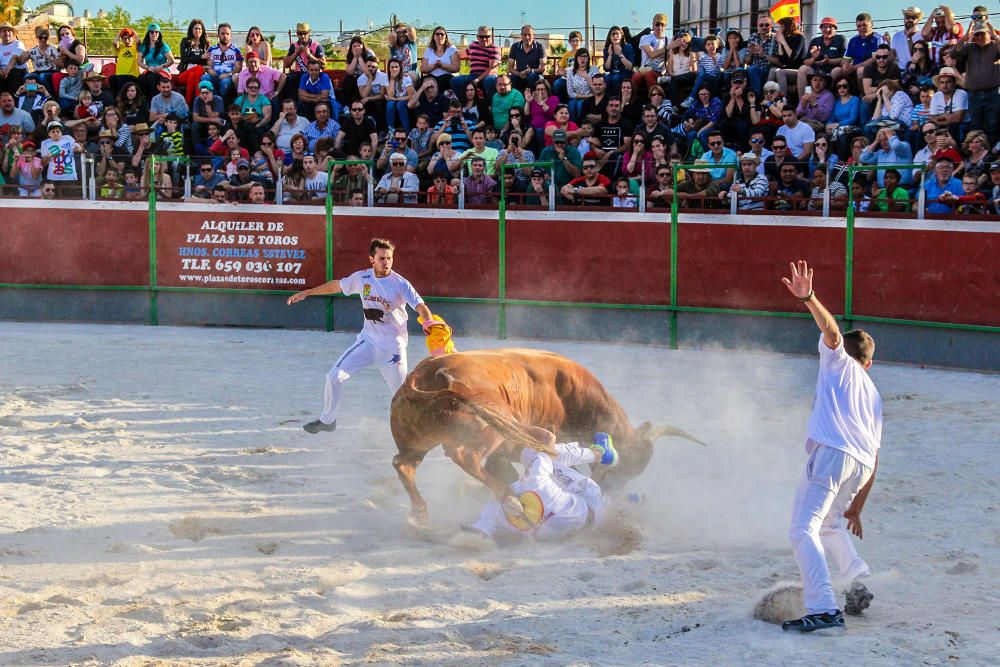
128 59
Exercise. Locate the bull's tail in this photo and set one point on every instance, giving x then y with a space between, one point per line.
507 426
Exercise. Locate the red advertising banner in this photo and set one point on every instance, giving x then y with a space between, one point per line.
263 248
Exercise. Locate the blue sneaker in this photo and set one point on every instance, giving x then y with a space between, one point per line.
604 447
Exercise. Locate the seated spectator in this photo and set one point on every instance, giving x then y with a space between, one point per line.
254 106
972 201
838 193
661 193
193 59
664 109
44 58
981 51
578 83
11 116
797 135
537 189
822 155
516 123
622 197
314 181
315 87
397 186
614 134
398 91
323 126
920 114
619 60
883 69
637 163
591 189
892 197
751 187
702 117
443 158
920 71
289 124
111 188
888 149
484 57
132 189
258 45
790 191
718 154
397 143
57 155
440 59
893 109
269 80
478 184
351 177
709 70
225 62
943 190
823 53
455 125
924 155
481 150
734 55
768 116
976 151
31 96
298 146
860 51
940 30
126 60
205 181
781 155
102 99
816 104
155 58
442 193
758 148
475 107
651 126
166 102
595 107
737 118
72 49
371 91
791 53
355 198
420 141
156 176
540 108
426 101
698 190
526 60
653 48
994 190
505 101
26 170
631 105
70 87
566 159
949 105
305 50
208 110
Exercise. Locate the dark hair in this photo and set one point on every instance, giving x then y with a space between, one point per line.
122 101
147 47
203 42
355 191
891 171
350 53
579 52
714 133
385 244
859 345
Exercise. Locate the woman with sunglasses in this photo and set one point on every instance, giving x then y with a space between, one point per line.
638 161
259 45
920 70
194 57
516 123
44 58
822 154
845 119
440 59
155 57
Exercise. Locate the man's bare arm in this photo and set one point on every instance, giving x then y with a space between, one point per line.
332 287
800 285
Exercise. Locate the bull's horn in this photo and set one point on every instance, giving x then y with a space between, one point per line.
664 431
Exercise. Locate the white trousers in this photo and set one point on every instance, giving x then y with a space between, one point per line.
832 479
390 363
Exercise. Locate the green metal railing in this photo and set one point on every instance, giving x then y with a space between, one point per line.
672 308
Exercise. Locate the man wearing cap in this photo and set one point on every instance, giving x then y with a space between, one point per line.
11 115
565 158
57 154
271 80
860 50
167 102
944 189
654 54
949 105
698 190
981 50
244 179
816 106
102 99
224 61
750 187
397 185
315 87
300 54
825 53
11 69
207 110
902 41
994 189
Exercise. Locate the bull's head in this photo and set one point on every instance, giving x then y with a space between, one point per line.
634 453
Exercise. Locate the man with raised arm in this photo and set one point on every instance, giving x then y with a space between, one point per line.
843 438
383 338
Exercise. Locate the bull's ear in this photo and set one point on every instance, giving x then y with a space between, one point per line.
643 430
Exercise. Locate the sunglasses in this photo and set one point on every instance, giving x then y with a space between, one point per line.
444 143
763 25
778 148
881 57
397 164
439 34
822 143
756 141
842 86
301 34
911 17
207 169
483 36
930 131
357 110
919 48
659 23
715 143
267 143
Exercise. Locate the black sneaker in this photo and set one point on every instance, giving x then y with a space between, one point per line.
811 622
859 598
316 426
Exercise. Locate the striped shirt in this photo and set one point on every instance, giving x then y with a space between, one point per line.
482 57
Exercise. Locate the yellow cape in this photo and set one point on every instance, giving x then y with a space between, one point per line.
439 340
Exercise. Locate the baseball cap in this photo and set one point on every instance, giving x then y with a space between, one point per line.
995 166
54 125
242 162
950 155
659 17
153 27
829 20
559 135
28 143
252 55
206 85
538 172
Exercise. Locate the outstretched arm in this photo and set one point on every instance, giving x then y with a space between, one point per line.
332 287
853 513
800 285
425 314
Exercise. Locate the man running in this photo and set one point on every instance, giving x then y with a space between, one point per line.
383 338
843 438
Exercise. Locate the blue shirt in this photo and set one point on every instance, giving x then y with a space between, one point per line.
317 86
846 114
313 133
861 48
934 190
899 152
224 61
728 157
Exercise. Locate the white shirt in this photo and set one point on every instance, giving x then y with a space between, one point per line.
656 43
316 183
378 85
796 137
847 410
384 301
959 101
62 166
286 131
8 51
434 59
901 45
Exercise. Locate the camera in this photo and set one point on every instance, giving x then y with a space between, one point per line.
393 144
31 87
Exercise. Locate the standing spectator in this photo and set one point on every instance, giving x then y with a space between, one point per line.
288 124
440 59
860 50
751 187
11 50
484 57
72 50
619 60
57 154
398 91
824 53
654 55
888 149
791 52
949 105
356 130
126 59
305 51
225 60
981 50
44 58
426 101
902 41
816 105
709 70
154 57
477 184
800 137
505 99
943 190
27 169
258 45
762 54
578 83
526 60
315 87
403 47
269 79
940 30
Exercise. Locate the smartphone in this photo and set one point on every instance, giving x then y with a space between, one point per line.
31 87
393 144
809 90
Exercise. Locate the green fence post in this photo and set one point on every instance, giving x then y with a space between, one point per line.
329 243
154 314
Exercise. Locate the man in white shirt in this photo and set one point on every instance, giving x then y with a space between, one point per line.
383 338
289 124
902 41
798 135
397 186
314 180
950 104
843 438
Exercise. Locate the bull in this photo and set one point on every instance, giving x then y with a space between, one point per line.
478 404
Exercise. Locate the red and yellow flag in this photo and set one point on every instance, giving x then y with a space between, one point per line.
784 9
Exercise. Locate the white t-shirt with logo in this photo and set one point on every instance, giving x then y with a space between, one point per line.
62 166
317 183
847 410
384 301
9 51
656 43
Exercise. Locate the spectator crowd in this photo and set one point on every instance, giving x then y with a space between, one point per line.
766 121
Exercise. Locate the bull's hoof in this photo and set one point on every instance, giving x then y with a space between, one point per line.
419 516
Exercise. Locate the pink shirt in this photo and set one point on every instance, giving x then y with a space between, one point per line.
570 127
268 77
538 115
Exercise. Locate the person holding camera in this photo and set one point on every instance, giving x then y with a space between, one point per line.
981 50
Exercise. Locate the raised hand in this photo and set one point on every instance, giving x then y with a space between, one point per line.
800 284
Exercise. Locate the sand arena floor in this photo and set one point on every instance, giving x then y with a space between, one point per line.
161 506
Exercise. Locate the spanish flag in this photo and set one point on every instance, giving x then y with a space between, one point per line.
784 9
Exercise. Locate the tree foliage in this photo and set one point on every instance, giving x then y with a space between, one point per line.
101 32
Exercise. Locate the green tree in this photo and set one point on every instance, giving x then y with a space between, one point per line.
101 32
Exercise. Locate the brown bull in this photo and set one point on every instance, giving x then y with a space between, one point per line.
475 403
